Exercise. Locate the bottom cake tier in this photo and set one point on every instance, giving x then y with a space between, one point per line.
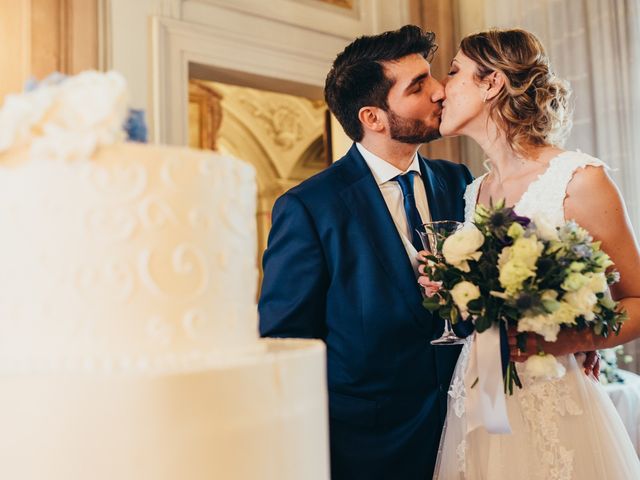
262 417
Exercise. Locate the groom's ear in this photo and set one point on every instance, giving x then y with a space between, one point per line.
495 83
371 118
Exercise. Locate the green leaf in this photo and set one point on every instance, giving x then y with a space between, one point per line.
475 305
431 303
482 323
521 341
453 315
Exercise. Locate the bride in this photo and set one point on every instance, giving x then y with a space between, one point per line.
501 93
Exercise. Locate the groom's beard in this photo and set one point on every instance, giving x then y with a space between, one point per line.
410 130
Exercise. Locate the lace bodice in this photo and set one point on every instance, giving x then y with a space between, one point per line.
545 195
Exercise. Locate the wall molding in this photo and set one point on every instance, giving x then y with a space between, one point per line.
177 44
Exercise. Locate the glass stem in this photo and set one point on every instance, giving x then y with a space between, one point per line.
447 327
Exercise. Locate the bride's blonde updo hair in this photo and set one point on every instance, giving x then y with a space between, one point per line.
533 107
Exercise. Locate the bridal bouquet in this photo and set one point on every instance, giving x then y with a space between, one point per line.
508 270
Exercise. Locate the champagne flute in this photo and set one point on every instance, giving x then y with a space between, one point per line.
432 235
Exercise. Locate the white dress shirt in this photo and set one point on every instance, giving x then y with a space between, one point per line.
383 173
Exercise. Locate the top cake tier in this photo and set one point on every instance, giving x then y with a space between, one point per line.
125 256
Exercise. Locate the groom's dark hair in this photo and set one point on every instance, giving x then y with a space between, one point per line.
357 78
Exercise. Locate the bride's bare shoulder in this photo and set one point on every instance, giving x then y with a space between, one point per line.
592 198
590 178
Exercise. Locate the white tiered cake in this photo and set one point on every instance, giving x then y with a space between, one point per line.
128 327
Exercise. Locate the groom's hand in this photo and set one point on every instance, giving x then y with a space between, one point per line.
591 364
430 287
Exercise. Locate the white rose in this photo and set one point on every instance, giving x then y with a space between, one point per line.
544 366
545 229
463 245
544 325
462 293
583 300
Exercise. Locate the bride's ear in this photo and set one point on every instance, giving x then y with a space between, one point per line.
494 83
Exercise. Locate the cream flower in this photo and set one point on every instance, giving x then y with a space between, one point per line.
565 314
549 299
544 366
545 229
598 282
512 274
602 260
462 293
462 246
583 300
607 301
515 264
577 266
574 281
527 250
544 325
515 230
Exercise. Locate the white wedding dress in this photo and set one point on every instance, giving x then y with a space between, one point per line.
563 429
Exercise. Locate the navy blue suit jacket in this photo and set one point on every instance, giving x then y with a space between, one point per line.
335 269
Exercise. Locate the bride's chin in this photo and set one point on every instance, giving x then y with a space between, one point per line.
445 131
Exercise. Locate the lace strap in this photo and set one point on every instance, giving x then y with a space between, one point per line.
548 193
470 198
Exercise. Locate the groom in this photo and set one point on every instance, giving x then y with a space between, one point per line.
340 263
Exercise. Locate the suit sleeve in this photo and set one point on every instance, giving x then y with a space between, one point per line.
466 173
294 289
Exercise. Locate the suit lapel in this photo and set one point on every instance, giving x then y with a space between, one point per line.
365 202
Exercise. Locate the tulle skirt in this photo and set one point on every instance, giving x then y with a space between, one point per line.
562 429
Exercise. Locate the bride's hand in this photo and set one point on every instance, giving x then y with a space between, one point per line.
569 342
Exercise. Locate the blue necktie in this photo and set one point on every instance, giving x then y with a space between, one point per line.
413 216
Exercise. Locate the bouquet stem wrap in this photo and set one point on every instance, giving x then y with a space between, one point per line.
485 401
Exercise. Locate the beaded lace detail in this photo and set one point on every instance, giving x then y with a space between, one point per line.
541 403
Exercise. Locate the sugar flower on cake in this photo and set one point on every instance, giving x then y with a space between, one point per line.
68 118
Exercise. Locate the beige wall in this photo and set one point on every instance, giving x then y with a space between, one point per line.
38 37
439 17
450 20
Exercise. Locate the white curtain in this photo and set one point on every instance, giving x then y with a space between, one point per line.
595 44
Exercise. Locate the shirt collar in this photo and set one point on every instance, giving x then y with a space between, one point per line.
382 170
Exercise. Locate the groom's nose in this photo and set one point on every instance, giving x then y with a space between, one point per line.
437 92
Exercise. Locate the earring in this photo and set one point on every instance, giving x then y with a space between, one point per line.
486 94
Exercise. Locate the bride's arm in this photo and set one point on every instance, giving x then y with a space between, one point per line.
595 203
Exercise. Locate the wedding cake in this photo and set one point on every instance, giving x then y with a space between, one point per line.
128 324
